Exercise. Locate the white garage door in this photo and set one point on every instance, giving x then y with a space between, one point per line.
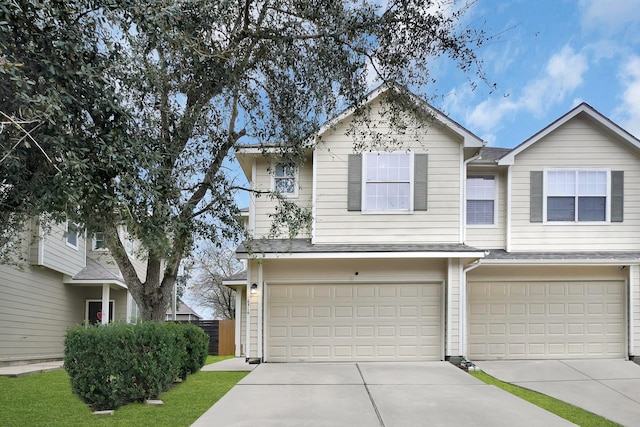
545 320
347 322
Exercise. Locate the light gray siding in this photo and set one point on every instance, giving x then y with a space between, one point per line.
51 251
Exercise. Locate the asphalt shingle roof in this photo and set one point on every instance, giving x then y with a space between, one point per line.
95 271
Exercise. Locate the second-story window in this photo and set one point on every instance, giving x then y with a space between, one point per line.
387 182
99 242
481 194
577 195
285 179
71 235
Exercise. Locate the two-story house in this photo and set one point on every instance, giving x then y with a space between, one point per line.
439 247
63 280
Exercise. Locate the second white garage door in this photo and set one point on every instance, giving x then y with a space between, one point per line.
546 320
353 322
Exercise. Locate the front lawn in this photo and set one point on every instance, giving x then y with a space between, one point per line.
45 399
562 409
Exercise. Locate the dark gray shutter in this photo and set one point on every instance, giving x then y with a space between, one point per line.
420 181
536 192
617 196
354 189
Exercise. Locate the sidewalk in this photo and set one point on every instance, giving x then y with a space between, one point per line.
235 364
31 368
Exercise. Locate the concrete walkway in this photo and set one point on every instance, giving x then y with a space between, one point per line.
235 364
31 368
609 388
370 395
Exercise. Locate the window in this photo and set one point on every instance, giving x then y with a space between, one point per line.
99 242
285 179
387 182
481 194
577 195
72 235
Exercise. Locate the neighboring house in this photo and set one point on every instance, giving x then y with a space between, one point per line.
64 280
446 248
183 312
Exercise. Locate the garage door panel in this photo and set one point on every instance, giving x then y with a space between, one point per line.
546 320
354 322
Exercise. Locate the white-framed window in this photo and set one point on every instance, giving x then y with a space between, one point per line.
388 183
285 179
99 242
481 199
577 195
71 235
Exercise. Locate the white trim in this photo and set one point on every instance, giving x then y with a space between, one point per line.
508 211
247 338
633 284
260 296
252 199
71 281
568 261
443 309
238 325
314 193
362 255
464 306
41 241
509 159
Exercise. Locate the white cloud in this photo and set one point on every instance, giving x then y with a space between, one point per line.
562 75
609 15
628 113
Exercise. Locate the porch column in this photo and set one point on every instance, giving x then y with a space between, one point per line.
105 303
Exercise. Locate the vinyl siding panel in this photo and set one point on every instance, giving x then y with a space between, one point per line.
439 224
265 205
577 144
57 255
491 236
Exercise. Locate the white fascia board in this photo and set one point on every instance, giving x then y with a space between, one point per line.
594 262
234 283
362 255
70 281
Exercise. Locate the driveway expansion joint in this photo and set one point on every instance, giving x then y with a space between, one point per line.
373 403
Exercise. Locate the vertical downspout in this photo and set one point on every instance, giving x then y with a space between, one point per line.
247 338
448 307
508 213
238 328
260 303
633 283
463 306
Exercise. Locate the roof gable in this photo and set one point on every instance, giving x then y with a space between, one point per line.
468 137
583 109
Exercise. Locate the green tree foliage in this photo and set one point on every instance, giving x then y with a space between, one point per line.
125 113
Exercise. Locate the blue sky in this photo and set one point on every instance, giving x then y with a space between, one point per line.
547 57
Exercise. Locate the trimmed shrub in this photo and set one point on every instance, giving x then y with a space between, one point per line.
197 348
110 366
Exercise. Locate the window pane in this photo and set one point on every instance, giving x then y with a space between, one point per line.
72 234
285 185
592 183
561 208
561 183
480 212
382 196
481 188
592 208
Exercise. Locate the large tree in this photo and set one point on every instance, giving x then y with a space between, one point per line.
125 113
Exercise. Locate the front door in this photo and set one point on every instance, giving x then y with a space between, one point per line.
94 312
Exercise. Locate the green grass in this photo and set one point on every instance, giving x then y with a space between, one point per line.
45 399
214 359
565 410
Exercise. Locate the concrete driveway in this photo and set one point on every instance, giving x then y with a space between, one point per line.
370 394
609 388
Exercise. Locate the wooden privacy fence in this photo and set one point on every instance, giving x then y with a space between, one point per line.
221 335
